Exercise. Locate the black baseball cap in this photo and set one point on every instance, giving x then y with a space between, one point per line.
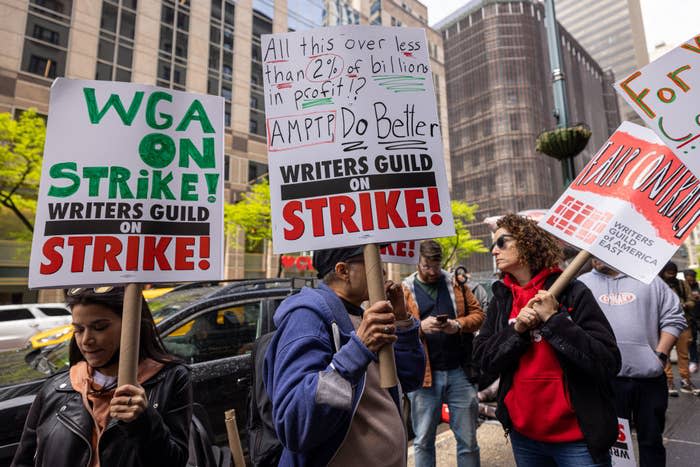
324 261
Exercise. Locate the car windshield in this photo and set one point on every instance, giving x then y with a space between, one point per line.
165 305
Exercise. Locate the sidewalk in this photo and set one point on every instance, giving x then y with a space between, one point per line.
681 437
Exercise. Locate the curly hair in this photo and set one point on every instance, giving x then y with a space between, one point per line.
536 247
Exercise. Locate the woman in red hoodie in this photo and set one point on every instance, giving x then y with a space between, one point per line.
555 359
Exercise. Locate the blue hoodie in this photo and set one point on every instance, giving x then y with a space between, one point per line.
316 390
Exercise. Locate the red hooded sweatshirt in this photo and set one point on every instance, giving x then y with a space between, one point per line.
538 402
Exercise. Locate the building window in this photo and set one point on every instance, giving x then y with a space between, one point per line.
221 33
262 24
172 50
46 37
256 170
115 49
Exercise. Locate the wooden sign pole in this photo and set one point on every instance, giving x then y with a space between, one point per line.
131 331
375 287
569 273
234 440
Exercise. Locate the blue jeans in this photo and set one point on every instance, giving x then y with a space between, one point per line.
453 388
531 453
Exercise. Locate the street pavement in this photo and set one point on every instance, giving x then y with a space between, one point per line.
681 437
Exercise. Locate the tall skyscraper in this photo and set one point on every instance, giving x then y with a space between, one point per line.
612 32
500 92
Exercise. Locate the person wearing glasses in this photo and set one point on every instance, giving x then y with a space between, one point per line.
555 358
321 369
81 417
447 313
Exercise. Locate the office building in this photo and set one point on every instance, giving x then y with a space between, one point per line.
500 91
612 32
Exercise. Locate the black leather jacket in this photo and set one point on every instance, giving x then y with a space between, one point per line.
59 428
585 346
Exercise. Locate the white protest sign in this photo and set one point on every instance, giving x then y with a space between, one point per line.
354 143
622 452
666 94
400 252
131 186
631 206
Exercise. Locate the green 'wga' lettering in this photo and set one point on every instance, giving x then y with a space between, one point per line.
127 116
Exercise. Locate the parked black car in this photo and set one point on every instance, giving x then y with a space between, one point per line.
211 326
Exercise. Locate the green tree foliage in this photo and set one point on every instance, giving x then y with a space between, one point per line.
21 151
461 245
251 214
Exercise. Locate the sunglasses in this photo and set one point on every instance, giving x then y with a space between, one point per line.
500 242
96 290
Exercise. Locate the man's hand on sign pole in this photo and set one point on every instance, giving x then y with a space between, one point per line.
394 293
377 327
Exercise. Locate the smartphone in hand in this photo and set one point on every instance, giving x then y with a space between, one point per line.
442 319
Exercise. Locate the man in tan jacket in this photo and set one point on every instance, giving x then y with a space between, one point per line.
448 314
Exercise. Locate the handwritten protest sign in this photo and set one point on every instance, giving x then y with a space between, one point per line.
631 206
622 452
131 187
400 253
353 137
665 94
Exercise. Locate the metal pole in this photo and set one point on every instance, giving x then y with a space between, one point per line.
561 109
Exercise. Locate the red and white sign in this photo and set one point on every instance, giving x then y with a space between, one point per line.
353 137
400 252
666 93
631 206
622 452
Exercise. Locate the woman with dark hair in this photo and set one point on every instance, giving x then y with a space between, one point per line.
555 360
81 417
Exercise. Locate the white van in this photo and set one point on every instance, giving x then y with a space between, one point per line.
19 322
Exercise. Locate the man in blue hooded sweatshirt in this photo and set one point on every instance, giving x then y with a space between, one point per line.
321 369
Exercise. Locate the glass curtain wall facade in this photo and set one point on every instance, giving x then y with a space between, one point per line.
115 50
220 63
172 50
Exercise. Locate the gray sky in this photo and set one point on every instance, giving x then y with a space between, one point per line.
670 21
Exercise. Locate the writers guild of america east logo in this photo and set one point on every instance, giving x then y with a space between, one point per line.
617 298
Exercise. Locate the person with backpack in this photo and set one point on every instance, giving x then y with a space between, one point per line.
321 369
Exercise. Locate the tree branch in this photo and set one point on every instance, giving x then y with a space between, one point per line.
8 203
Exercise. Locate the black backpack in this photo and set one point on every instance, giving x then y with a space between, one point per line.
264 448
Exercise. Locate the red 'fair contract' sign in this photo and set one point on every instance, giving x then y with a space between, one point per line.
354 142
631 206
666 94
131 187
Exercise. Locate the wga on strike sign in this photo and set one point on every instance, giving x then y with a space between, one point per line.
354 143
131 187
631 206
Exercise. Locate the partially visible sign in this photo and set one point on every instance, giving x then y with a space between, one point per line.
631 206
131 186
353 137
622 452
301 263
400 252
665 93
